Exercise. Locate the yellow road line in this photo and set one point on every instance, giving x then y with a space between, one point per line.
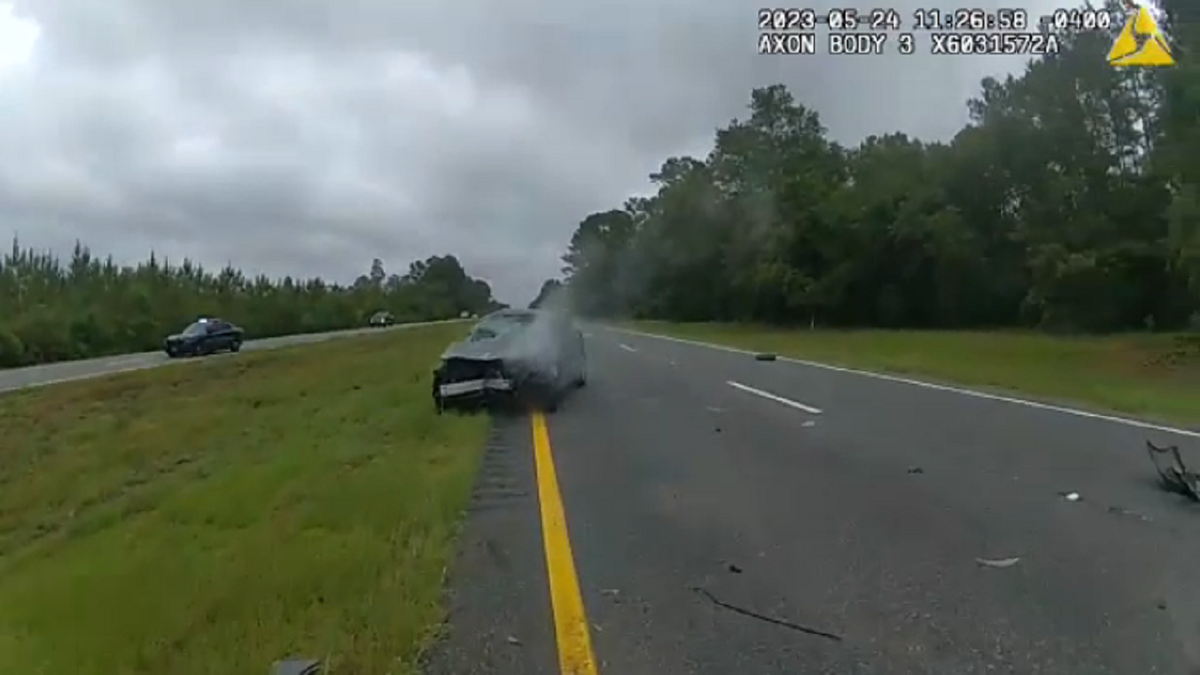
575 655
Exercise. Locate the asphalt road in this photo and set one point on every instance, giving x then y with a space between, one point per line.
32 376
724 513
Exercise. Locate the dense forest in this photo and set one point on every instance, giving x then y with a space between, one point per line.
51 310
1070 202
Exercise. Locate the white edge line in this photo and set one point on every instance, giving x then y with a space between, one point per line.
939 387
773 397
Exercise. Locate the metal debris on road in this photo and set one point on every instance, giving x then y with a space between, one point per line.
1174 478
735 569
764 356
1004 562
514 641
1070 496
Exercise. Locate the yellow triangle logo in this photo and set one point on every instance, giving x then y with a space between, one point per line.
1140 43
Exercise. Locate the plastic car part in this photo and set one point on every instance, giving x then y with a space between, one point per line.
296 667
1172 474
764 356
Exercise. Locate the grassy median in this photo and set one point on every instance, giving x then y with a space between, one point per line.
1152 375
213 516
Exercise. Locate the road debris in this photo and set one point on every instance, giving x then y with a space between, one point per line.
735 569
296 667
761 617
1174 477
612 593
1126 512
764 356
809 423
1004 562
1070 496
915 469
514 641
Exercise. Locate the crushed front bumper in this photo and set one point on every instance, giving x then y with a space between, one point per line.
469 383
475 388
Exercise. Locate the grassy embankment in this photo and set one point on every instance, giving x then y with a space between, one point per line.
214 516
1152 375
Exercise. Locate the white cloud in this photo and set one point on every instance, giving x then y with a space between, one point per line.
18 39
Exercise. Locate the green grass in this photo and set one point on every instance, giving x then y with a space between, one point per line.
211 517
1136 374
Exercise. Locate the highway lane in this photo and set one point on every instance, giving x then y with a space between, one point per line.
33 376
682 491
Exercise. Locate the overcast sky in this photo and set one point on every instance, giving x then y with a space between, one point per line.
306 137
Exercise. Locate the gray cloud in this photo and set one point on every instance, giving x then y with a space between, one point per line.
305 137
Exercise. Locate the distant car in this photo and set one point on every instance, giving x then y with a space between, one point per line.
205 336
381 319
513 354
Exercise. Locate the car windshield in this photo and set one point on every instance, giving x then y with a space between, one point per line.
198 328
498 325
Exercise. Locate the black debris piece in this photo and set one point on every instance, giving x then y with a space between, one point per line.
764 356
1173 475
735 569
768 619
916 469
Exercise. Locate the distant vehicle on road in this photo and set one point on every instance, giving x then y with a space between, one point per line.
513 354
205 336
381 319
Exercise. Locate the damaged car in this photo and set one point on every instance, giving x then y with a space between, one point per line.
528 355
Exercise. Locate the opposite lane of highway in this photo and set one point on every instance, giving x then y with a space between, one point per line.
684 493
64 371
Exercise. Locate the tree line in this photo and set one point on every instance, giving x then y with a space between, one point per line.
51 310
1070 201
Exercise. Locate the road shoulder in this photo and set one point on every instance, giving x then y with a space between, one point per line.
498 604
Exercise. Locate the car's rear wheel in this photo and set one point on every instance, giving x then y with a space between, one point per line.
236 346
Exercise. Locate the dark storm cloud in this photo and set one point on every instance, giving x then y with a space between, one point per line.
306 137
